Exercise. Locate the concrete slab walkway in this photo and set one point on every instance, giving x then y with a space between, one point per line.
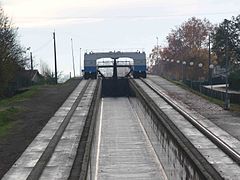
125 151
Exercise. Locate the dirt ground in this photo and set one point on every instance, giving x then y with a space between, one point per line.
38 110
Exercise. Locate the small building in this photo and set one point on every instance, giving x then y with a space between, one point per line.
27 78
23 79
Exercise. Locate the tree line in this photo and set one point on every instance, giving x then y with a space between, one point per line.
196 44
12 57
14 60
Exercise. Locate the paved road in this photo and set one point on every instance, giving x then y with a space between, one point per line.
226 120
125 151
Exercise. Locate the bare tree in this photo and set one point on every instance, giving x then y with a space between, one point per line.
48 74
11 53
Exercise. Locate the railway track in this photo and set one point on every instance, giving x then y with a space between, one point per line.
232 153
59 150
63 148
213 156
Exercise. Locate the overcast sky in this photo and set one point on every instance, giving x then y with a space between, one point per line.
104 24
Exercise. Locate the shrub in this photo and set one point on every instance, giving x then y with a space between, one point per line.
234 80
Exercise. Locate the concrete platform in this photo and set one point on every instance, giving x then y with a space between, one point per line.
222 88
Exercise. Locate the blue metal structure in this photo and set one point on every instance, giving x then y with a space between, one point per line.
138 69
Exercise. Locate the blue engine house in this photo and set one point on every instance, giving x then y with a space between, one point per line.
137 70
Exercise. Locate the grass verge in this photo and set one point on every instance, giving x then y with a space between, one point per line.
9 109
7 117
19 97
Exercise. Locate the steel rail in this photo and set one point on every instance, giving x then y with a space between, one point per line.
234 155
45 157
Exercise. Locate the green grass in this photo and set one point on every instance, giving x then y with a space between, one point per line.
7 117
9 109
19 97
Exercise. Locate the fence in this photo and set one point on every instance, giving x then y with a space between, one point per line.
206 89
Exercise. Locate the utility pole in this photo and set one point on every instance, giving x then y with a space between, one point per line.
80 62
73 58
31 61
115 69
157 54
55 57
227 100
209 58
157 49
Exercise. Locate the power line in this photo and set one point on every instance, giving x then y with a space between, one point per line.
126 17
43 46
